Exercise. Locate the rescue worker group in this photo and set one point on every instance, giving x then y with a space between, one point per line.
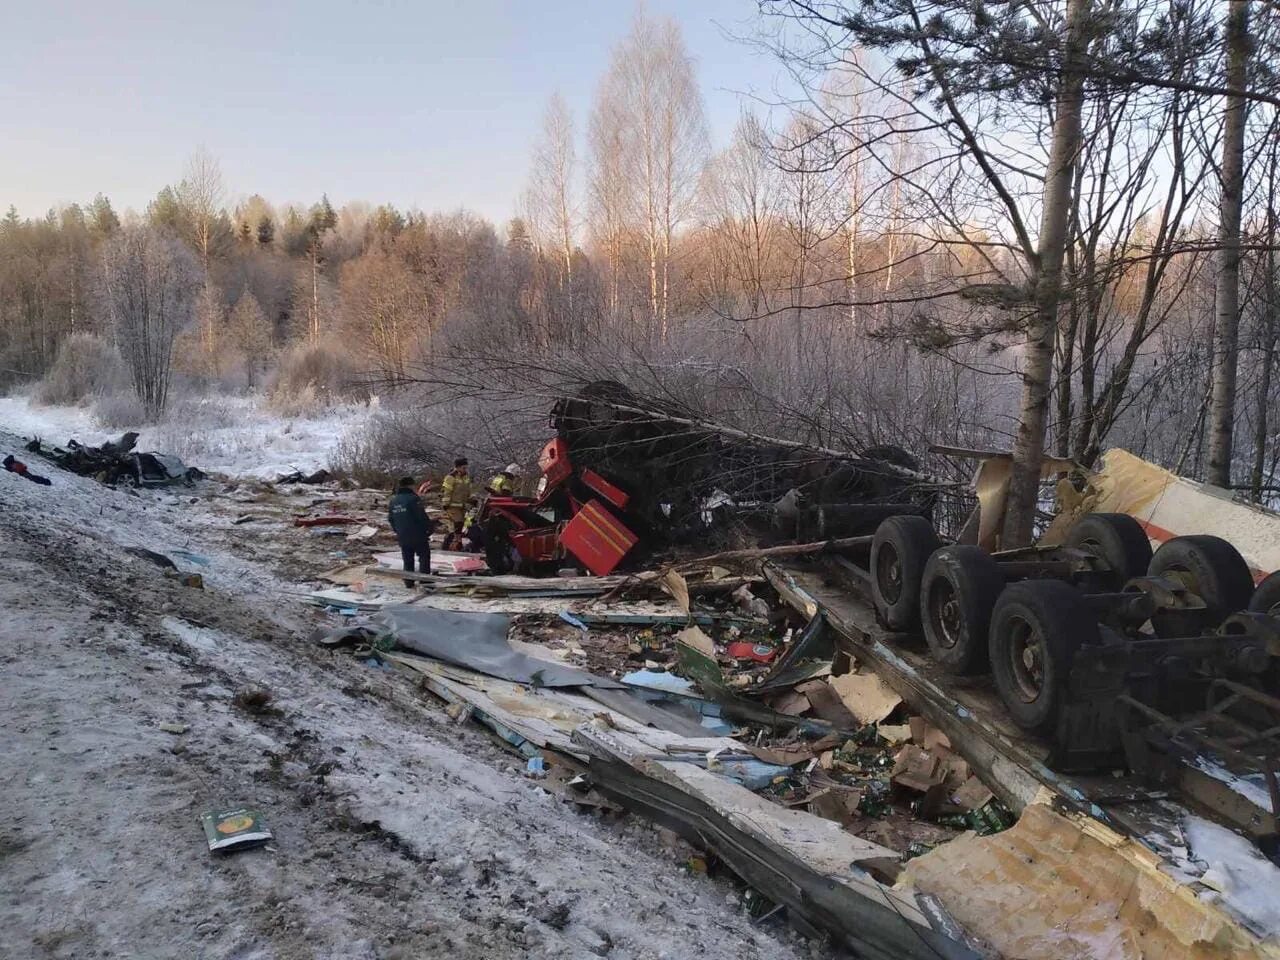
407 513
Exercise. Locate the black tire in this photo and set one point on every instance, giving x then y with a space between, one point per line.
899 551
958 592
497 546
1266 598
1118 540
1036 629
1213 570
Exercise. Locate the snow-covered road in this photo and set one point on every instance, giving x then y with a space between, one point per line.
398 832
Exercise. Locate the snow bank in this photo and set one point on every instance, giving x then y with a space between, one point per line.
1236 873
231 435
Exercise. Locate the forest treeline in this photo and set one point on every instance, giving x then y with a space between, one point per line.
1034 225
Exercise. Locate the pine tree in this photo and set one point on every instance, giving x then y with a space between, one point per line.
166 211
102 218
387 221
295 234
323 217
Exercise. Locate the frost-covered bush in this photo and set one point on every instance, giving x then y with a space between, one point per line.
303 402
370 455
117 411
196 428
86 368
205 413
311 379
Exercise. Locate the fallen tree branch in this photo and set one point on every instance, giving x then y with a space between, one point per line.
786 550
727 431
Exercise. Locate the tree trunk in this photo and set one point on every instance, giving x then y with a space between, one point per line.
315 295
1260 428
653 273
1227 307
851 245
1264 385
1028 446
568 282
1065 398
666 279
1196 434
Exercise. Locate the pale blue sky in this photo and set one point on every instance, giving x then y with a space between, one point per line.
429 104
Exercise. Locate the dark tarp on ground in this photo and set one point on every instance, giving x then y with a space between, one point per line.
478 641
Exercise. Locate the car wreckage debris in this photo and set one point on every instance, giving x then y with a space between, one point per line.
117 462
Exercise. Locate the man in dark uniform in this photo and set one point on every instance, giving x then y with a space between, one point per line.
408 518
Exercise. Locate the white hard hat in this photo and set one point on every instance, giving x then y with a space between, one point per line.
513 469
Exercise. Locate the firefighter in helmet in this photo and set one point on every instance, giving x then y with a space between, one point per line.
504 484
455 496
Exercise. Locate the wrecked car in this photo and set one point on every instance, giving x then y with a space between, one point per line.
117 461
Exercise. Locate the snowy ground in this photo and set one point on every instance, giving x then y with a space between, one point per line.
398 832
230 435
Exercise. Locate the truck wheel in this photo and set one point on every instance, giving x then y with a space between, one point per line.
959 590
1036 629
1213 570
1266 599
497 546
899 550
1118 540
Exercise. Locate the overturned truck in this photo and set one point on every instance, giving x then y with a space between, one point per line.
623 478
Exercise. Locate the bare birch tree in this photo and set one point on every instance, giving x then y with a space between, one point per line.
149 283
740 202
810 196
320 223
609 190
663 142
550 198
201 195
386 310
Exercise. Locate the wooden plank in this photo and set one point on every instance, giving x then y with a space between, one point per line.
566 586
803 862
